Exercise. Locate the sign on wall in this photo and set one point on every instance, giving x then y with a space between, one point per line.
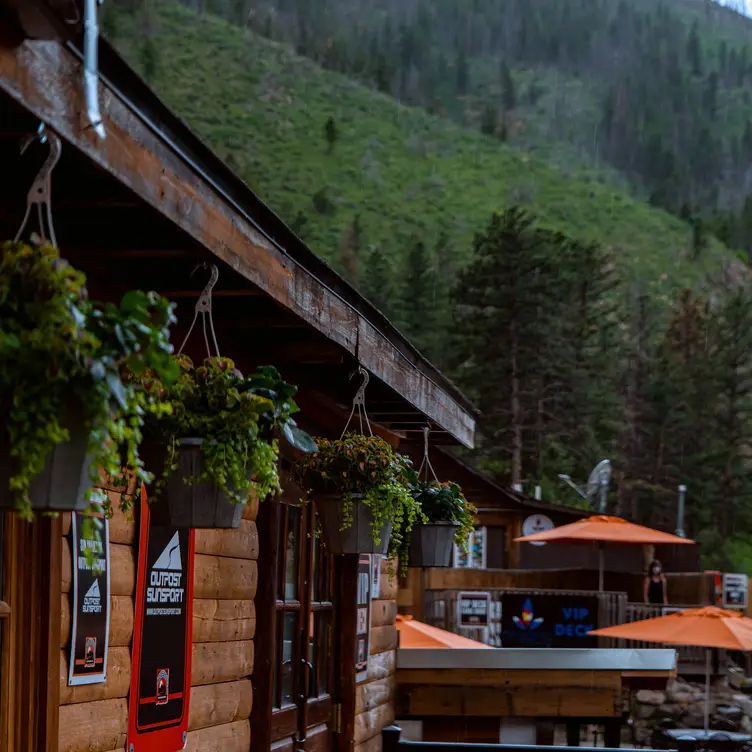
473 609
735 591
90 611
475 558
375 575
363 621
548 621
537 523
161 677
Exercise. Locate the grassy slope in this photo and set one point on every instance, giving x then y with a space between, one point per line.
263 109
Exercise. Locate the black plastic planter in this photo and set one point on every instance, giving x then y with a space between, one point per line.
192 504
357 538
432 544
64 481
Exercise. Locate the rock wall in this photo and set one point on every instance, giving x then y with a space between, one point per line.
683 705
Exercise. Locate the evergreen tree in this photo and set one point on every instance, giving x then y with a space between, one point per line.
417 298
377 280
489 121
349 250
331 134
694 50
508 92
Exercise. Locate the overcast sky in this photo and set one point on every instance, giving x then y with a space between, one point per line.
743 6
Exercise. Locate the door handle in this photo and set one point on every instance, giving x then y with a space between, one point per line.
311 678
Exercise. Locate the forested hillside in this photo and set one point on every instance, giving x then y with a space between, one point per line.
654 90
585 321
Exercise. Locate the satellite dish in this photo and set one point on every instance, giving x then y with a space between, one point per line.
597 485
537 523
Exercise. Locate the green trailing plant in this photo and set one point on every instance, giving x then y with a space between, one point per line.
235 415
366 466
62 353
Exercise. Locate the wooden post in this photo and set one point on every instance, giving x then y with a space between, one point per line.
612 733
573 734
390 738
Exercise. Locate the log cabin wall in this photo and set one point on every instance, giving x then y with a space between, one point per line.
374 704
94 717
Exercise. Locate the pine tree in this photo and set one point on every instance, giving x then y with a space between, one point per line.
489 121
694 50
508 91
349 250
417 301
377 280
331 134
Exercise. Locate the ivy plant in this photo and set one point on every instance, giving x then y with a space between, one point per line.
237 417
61 353
367 467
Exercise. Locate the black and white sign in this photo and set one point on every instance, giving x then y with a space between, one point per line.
90 628
363 628
161 678
375 575
472 609
537 523
735 591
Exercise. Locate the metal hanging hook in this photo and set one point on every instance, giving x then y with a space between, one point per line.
359 402
204 307
426 463
40 193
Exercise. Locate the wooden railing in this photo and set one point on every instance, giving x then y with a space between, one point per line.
392 742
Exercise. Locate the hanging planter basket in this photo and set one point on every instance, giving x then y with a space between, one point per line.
194 504
432 544
64 481
357 537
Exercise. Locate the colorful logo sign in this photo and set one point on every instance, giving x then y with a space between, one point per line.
528 621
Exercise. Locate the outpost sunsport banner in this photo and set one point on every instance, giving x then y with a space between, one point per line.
161 680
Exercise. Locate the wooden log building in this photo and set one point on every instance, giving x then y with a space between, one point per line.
273 654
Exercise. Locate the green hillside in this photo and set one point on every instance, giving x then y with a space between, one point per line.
400 171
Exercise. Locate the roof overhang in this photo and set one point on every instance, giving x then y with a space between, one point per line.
156 157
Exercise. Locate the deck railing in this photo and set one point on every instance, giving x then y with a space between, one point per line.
392 742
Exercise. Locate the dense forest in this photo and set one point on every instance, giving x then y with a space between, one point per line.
658 91
541 193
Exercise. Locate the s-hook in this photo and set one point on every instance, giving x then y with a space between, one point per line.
359 402
204 307
40 193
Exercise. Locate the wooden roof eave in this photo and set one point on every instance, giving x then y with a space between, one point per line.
170 169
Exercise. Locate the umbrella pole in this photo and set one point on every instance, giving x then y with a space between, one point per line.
707 689
601 565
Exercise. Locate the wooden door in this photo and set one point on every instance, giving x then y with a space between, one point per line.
30 585
298 667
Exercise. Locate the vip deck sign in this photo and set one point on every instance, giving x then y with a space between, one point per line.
161 678
363 628
90 612
550 621
472 609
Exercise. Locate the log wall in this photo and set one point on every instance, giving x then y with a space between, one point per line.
374 702
94 718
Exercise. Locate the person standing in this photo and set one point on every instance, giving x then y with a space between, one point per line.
655 590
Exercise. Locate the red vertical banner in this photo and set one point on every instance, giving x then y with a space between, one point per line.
162 637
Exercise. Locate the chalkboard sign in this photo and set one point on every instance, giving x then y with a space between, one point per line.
363 629
548 621
161 678
473 609
90 609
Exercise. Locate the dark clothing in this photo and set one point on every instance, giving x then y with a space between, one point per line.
655 592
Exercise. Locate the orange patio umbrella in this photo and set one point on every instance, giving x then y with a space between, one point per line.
603 529
708 627
416 634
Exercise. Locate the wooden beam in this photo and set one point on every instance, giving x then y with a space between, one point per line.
526 702
244 293
139 157
512 680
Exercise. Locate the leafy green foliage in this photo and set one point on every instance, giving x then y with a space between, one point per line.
61 352
235 415
445 502
367 467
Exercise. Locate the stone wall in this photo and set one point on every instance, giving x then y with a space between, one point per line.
683 704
